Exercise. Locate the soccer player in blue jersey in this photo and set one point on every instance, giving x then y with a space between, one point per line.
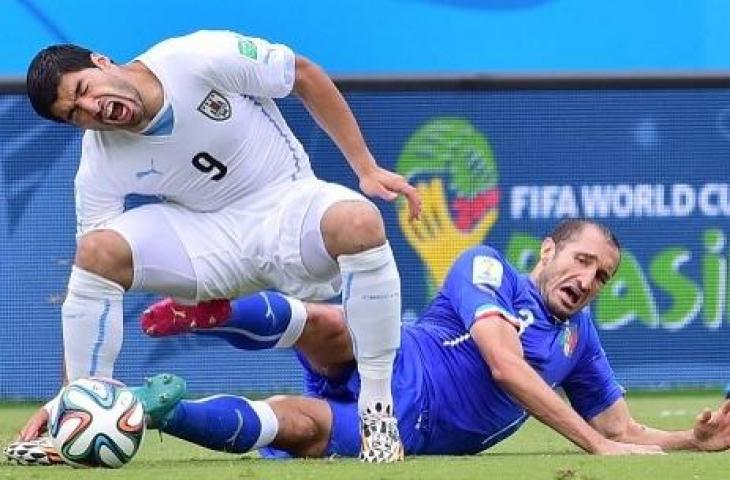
487 353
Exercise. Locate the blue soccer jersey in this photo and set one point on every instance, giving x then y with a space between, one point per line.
467 410
445 398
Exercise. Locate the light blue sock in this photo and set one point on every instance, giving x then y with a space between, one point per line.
224 422
262 321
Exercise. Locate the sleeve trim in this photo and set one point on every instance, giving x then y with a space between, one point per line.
487 311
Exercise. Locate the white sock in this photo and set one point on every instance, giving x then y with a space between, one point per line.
296 323
269 423
92 325
372 300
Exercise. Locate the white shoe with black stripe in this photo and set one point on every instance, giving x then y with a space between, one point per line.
380 439
33 452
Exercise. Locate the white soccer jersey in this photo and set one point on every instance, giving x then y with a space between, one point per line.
228 139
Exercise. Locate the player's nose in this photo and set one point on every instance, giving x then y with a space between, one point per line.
88 105
588 280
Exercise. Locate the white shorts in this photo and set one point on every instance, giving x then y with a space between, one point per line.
252 245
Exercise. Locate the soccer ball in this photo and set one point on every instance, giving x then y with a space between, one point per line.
96 423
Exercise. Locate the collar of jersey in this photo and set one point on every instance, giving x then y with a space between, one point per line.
162 124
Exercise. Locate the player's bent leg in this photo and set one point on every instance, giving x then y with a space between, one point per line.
92 311
139 249
260 321
160 261
108 254
228 423
354 234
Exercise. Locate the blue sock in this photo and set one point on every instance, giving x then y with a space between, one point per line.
257 321
224 422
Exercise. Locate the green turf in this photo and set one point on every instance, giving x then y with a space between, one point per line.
534 453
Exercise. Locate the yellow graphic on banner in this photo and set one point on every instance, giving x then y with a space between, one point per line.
451 164
435 238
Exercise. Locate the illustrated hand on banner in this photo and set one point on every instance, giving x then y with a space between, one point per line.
435 238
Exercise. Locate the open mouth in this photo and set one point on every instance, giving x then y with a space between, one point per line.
572 294
115 112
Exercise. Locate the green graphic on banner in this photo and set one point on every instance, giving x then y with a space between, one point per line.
453 167
714 278
454 150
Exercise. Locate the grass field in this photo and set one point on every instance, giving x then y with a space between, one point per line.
535 452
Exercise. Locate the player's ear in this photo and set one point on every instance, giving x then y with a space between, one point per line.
547 250
101 61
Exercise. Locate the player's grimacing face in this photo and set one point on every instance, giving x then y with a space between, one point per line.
98 99
574 273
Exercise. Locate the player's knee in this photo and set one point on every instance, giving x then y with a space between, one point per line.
301 431
294 422
352 227
365 226
105 253
325 341
325 324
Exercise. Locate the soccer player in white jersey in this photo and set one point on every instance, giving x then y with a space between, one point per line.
192 121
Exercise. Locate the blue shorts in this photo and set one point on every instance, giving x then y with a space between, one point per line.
410 399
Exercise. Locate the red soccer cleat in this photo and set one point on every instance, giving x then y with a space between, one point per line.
170 318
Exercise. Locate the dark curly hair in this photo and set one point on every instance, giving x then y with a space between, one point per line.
45 71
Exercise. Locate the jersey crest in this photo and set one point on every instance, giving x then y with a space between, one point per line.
487 271
215 106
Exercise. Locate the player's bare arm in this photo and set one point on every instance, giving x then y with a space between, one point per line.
327 106
37 424
499 344
711 431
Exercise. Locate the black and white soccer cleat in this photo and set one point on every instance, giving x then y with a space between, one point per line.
33 452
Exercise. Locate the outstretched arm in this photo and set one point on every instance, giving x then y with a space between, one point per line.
711 431
499 344
327 106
